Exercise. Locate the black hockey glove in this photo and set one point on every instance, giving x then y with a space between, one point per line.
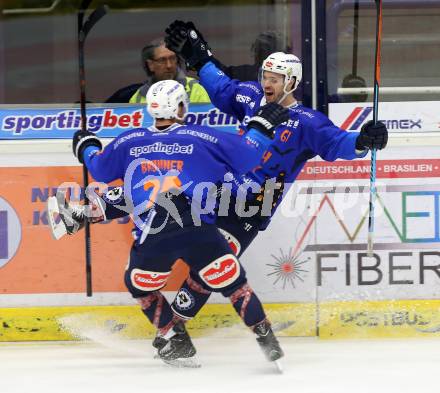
81 140
268 118
372 136
184 39
175 36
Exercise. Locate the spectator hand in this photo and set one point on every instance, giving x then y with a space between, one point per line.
372 136
83 139
268 118
184 39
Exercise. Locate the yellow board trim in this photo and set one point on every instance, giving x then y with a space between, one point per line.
380 319
337 320
68 323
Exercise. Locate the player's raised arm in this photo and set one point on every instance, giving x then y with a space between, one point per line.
184 39
331 143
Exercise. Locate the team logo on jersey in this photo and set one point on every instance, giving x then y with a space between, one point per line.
184 300
222 272
114 196
148 281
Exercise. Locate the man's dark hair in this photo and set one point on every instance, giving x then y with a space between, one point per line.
148 53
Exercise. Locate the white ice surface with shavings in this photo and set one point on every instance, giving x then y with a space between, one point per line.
229 365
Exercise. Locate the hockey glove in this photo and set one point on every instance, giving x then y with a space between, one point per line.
372 136
268 118
81 140
184 39
175 36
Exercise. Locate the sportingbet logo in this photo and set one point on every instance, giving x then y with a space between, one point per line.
71 120
359 115
160 147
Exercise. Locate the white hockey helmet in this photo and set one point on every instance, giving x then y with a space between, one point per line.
286 64
164 99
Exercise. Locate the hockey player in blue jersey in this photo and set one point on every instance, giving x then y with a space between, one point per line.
198 154
307 134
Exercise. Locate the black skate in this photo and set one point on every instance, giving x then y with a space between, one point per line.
158 343
179 350
269 343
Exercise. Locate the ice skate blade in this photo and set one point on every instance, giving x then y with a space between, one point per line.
58 230
279 366
183 363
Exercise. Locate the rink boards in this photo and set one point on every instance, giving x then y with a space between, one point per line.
329 320
310 267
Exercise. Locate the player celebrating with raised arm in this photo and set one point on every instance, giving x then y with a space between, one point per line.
308 133
199 155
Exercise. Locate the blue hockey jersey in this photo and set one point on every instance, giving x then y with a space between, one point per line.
307 134
192 157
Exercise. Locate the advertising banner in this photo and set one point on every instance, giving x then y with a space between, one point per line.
60 122
401 117
31 262
315 248
107 122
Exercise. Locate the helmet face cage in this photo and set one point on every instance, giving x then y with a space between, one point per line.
164 99
285 64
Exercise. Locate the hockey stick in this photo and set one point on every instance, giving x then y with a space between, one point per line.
83 30
375 114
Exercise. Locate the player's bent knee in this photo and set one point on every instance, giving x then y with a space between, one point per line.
222 273
140 281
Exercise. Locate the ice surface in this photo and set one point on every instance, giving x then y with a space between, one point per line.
229 365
